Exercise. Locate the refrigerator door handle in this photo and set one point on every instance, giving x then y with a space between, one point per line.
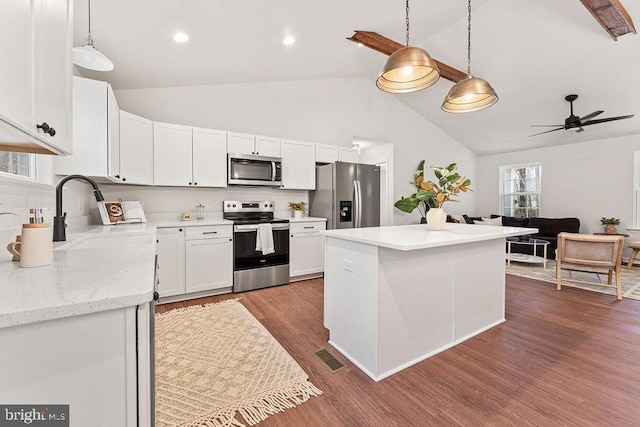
358 203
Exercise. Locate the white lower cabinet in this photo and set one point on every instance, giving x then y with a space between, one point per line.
170 251
209 258
97 363
306 249
193 260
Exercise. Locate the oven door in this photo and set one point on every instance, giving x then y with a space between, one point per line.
244 247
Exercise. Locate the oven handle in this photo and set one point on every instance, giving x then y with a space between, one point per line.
253 227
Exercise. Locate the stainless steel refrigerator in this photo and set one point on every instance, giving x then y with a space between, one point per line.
347 194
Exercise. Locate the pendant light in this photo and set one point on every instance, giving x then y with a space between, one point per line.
88 56
472 93
408 69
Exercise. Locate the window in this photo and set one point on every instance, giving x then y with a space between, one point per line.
20 164
520 190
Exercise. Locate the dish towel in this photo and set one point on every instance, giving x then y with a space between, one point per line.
264 239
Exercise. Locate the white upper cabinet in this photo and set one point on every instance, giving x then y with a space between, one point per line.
298 165
95 132
209 157
326 153
244 143
268 146
52 71
241 143
136 149
351 155
35 76
172 154
189 157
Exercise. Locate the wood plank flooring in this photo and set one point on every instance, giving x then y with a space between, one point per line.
568 358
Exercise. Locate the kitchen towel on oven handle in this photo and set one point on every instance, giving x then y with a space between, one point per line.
264 239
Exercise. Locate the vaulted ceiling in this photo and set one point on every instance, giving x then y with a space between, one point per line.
532 52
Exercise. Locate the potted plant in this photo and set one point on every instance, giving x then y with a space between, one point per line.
610 225
298 208
432 195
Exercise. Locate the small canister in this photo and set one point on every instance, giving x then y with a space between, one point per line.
35 248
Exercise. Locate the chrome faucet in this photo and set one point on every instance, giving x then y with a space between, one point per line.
59 225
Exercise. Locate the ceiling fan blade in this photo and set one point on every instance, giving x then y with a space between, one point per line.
590 116
608 119
544 126
547 131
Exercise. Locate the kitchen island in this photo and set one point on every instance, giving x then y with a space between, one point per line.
79 332
397 295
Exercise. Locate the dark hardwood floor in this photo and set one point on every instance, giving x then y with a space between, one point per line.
568 358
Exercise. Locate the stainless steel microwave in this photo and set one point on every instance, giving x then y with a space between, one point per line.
245 169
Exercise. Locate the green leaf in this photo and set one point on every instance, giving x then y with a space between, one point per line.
452 167
408 204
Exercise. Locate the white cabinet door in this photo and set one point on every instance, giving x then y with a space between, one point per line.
16 72
351 155
170 251
136 149
90 130
52 70
35 75
298 165
209 264
171 155
267 146
326 153
113 137
209 158
240 143
306 248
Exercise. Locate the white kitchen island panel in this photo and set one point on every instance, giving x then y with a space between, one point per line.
387 308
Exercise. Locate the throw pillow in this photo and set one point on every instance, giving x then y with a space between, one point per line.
492 221
467 219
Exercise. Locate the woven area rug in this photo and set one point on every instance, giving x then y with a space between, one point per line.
216 361
630 278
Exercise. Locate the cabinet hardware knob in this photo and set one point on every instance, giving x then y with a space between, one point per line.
47 129
118 176
189 183
195 183
124 179
180 229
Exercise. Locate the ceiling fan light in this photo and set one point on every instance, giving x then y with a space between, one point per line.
408 69
470 94
91 58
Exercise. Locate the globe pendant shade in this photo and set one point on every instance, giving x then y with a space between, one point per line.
470 94
408 69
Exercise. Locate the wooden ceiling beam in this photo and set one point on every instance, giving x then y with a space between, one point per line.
387 46
612 16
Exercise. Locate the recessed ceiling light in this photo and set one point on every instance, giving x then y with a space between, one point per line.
288 41
180 37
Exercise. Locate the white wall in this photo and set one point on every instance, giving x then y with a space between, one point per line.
330 111
587 180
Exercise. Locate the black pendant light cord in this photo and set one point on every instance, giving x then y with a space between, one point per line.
469 41
89 18
407 19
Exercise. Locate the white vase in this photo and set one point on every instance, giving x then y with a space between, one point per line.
297 214
436 218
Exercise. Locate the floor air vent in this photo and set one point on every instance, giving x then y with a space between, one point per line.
330 360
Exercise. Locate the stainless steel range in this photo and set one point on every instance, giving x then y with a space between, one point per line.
253 269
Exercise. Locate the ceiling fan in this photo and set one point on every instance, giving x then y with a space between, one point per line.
577 123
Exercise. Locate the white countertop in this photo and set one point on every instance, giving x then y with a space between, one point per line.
101 268
412 237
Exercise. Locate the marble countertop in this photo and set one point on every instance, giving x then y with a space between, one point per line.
412 237
98 268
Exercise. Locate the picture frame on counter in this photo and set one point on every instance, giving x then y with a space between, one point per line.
118 212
